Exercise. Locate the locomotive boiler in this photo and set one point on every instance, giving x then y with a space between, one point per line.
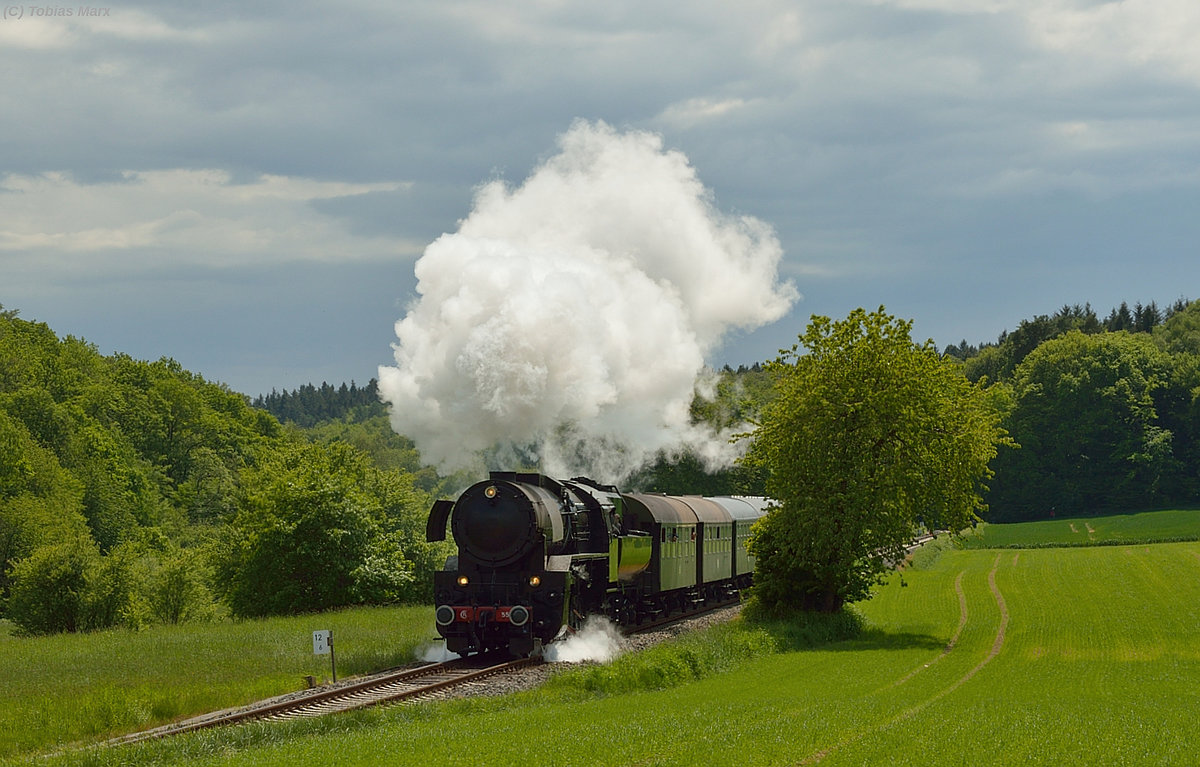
537 555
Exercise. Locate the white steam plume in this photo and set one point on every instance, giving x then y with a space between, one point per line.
434 652
598 640
568 319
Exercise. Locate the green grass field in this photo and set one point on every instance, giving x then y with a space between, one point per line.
1147 527
1036 656
77 687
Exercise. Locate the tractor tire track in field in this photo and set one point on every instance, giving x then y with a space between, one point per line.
962 622
997 645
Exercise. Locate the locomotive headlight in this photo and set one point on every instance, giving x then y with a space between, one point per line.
535 581
463 580
490 492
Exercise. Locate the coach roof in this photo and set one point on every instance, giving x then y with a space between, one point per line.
660 508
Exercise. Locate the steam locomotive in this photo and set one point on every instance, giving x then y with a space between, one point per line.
537 555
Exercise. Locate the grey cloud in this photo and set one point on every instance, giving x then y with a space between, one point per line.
965 166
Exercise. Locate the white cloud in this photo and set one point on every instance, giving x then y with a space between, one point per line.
29 27
1159 34
689 113
185 216
876 136
35 34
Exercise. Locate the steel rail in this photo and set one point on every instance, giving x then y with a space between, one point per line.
390 688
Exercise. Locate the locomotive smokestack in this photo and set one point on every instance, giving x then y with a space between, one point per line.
572 314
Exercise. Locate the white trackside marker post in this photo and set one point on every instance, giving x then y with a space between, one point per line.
323 645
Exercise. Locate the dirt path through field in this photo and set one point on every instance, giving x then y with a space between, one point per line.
997 645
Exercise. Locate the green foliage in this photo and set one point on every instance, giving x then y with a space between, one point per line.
112 582
870 436
998 362
388 450
1180 334
70 586
728 401
50 588
159 476
686 474
40 503
177 590
1087 419
318 528
310 405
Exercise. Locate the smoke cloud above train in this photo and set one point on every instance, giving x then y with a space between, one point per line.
567 321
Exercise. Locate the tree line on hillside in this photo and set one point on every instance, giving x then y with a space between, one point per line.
309 405
1106 413
870 435
1105 416
136 492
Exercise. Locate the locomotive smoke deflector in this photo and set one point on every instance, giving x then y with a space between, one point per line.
435 526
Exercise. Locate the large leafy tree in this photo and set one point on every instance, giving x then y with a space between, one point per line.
870 436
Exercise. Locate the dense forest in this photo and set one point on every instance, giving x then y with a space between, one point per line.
134 492
1105 413
310 405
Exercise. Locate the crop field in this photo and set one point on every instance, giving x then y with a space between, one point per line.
1147 527
1036 656
67 688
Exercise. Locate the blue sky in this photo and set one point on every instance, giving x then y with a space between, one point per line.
246 187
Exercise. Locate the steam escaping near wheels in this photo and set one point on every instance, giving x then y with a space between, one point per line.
599 640
566 323
435 652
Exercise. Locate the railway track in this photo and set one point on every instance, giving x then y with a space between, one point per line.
414 684
420 683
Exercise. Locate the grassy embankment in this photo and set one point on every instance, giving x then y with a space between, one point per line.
67 688
1040 656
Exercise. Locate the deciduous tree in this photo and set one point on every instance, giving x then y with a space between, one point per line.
1088 420
870 436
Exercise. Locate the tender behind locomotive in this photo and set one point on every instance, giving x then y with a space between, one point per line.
536 554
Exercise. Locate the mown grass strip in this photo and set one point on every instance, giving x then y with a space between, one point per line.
1168 526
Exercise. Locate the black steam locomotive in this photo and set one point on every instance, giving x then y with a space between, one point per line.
537 554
